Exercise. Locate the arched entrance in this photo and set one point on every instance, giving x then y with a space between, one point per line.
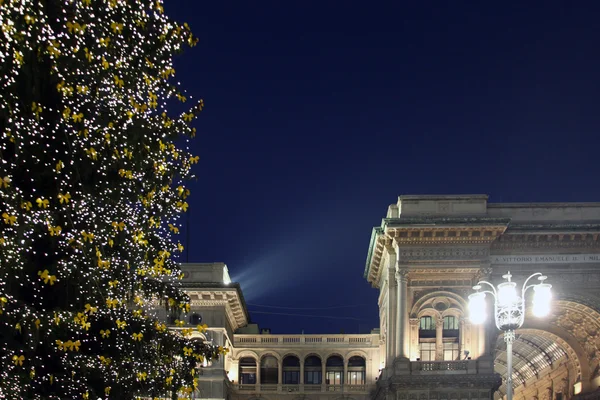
556 357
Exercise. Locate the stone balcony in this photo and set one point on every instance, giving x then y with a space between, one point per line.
301 388
467 379
268 340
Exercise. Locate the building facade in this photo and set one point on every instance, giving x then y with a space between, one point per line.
424 259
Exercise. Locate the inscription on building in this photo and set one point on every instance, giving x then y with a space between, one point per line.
546 259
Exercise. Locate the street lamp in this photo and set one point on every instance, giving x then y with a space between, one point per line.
509 310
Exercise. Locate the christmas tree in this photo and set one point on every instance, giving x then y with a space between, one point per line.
92 182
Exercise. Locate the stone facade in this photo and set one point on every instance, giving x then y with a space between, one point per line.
424 258
428 253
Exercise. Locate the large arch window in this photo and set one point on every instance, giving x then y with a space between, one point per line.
427 338
312 370
356 371
291 370
247 371
269 370
335 370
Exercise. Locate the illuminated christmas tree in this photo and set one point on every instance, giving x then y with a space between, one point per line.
92 181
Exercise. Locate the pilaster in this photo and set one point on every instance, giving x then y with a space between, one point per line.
323 375
279 374
345 376
486 329
461 337
402 326
391 338
414 338
439 341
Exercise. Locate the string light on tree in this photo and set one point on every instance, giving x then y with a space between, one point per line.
92 183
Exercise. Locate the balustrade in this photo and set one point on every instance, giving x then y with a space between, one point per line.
368 340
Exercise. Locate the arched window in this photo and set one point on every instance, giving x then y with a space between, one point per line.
356 371
427 327
450 325
291 370
427 338
312 370
195 319
335 370
269 370
247 371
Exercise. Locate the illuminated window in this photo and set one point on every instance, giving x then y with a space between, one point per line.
451 351
426 324
450 327
426 328
335 371
356 371
247 371
427 351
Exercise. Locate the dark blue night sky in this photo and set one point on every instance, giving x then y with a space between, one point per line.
320 113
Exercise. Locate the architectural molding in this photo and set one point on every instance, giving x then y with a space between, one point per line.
228 298
462 253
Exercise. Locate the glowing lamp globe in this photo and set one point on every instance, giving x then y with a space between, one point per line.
477 313
541 299
507 294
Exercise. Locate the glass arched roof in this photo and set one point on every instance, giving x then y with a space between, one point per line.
531 354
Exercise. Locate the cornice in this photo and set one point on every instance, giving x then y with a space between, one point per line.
230 298
519 240
450 233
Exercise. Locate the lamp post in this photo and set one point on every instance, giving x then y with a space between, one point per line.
509 310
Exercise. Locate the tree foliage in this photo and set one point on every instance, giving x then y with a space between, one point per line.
92 181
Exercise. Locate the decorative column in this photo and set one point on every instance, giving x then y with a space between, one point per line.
391 319
301 374
258 376
402 327
439 342
323 375
414 338
345 376
486 329
279 375
461 337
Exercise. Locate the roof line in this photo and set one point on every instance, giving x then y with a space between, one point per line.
218 285
374 234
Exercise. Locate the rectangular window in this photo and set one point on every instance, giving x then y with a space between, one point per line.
312 377
426 324
356 378
450 327
427 351
334 378
291 377
426 328
450 351
450 323
248 379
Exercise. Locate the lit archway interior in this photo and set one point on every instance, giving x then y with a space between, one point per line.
554 357
536 355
